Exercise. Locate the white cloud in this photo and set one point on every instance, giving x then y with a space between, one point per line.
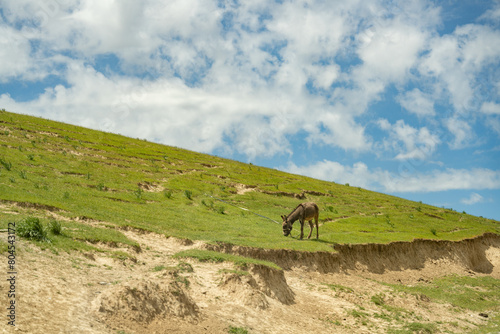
492 14
490 108
417 102
358 175
408 179
408 142
457 59
473 199
391 52
443 180
16 61
240 74
462 132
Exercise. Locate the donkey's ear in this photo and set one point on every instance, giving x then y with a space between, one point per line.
283 217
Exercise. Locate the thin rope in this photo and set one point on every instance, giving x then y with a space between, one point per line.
239 207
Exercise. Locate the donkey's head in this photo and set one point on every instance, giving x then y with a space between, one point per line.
287 226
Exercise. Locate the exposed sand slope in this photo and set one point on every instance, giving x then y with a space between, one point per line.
92 293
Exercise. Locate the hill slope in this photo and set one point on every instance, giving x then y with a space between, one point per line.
114 199
73 175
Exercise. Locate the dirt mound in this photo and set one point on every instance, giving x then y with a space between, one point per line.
252 288
245 290
142 301
272 283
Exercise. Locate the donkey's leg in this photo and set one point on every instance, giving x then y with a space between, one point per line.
310 229
317 229
301 229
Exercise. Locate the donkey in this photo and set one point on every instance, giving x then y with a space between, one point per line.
305 211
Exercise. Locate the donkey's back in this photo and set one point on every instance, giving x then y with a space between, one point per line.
311 210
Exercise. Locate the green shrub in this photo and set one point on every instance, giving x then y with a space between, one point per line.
237 330
138 193
55 227
7 165
188 194
378 299
221 210
31 228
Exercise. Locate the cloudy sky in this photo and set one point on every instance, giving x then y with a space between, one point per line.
401 97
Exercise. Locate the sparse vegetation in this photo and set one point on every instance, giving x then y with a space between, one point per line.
6 164
55 227
32 228
188 194
159 268
211 256
138 193
473 293
237 330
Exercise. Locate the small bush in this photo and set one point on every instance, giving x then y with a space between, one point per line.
6 164
31 228
168 194
208 204
138 193
159 268
378 299
237 330
55 227
221 210
188 194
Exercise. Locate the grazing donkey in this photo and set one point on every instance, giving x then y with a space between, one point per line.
305 211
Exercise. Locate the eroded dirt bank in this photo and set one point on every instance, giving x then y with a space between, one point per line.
343 292
471 254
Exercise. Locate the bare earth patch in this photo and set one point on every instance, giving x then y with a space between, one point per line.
93 293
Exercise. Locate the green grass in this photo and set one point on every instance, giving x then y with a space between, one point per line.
70 236
416 327
211 256
479 294
237 330
476 294
50 168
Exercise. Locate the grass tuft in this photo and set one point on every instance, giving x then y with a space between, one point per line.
212 256
6 164
55 227
31 228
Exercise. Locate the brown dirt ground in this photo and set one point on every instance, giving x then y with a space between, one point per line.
94 293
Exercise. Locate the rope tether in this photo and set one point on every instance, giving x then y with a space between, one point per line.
239 207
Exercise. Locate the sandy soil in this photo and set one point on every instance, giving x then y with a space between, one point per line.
93 293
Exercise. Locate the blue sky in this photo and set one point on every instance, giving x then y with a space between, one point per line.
401 97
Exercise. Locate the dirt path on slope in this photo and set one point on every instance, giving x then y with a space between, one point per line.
155 293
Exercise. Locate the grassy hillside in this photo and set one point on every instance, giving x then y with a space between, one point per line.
91 182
